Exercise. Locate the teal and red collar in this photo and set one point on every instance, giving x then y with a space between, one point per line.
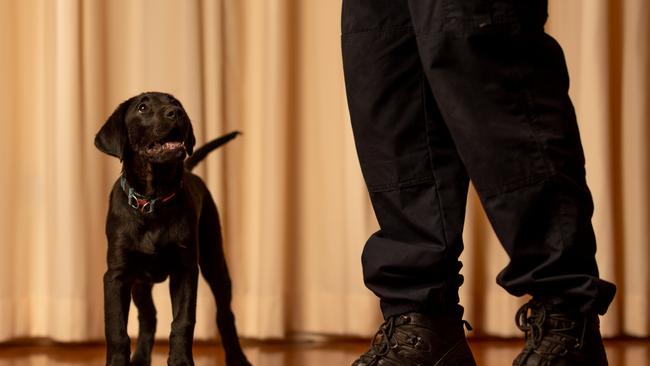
142 203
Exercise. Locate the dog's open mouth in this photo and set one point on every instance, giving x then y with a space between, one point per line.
169 147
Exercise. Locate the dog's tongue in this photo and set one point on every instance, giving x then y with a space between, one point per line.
154 149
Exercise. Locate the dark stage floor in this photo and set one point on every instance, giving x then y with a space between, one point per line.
332 353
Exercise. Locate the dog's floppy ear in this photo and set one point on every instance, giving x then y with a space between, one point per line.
190 140
112 138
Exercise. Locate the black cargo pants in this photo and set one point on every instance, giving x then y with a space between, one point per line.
443 91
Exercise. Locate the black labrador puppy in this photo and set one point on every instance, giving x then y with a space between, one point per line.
162 222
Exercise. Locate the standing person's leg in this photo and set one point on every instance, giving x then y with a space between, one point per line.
417 185
502 87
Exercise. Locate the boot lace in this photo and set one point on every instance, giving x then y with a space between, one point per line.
381 342
535 319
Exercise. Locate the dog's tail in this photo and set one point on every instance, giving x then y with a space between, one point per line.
204 150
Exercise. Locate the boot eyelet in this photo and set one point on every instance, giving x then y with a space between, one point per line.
418 342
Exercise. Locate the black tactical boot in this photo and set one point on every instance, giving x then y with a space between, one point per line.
557 338
416 339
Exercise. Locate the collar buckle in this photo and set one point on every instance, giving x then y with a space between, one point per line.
139 202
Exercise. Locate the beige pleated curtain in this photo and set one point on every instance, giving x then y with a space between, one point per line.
294 207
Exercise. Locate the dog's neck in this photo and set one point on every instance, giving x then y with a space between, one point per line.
152 179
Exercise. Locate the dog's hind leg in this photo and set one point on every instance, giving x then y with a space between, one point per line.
215 271
143 300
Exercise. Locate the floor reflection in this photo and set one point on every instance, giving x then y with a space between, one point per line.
497 353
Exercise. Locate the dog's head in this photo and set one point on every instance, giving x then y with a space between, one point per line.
152 125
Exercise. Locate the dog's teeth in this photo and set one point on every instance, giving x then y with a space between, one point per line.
171 145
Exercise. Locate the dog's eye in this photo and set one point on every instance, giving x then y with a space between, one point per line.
142 107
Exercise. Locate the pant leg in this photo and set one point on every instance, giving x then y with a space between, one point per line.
502 87
417 184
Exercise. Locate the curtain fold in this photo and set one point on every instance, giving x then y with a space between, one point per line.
293 205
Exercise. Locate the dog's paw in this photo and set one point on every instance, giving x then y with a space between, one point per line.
117 360
140 363
239 361
180 361
140 360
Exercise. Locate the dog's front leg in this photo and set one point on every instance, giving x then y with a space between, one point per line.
182 287
117 295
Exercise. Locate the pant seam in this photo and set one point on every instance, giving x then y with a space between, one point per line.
376 188
512 185
469 27
531 119
378 29
443 218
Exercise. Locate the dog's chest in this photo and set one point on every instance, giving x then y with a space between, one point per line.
161 236
151 267
149 240
158 252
